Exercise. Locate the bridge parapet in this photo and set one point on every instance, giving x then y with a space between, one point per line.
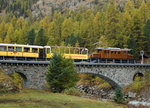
75 63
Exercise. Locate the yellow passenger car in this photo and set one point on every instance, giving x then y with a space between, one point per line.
75 53
16 50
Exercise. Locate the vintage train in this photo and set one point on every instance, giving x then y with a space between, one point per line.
31 52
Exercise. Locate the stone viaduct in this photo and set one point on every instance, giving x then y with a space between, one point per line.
33 72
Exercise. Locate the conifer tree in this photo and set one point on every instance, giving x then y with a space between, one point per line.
13 21
61 74
112 26
20 23
138 31
10 32
53 36
40 38
31 36
126 28
67 28
129 7
119 96
97 26
143 11
147 36
2 30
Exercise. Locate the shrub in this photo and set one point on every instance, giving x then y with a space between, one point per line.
6 83
119 96
72 91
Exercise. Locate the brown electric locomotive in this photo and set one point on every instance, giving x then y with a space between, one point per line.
114 55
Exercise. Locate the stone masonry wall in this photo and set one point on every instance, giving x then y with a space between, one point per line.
34 74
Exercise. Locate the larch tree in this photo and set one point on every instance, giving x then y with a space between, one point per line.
129 7
44 23
112 26
126 28
67 28
53 36
138 31
13 21
97 27
9 38
143 11
58 20
2 31
20 23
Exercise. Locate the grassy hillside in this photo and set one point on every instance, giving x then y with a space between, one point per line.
43 99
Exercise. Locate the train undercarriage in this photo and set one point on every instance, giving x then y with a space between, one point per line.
105 60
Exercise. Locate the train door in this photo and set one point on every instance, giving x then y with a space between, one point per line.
42 54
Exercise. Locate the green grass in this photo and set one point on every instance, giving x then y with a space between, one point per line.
29 98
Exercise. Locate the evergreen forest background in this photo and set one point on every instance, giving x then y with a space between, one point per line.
113 25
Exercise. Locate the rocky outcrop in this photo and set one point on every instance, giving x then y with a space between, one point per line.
95 91
46 7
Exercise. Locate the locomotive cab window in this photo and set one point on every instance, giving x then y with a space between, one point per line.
99 50
26 49
112 52
18 49
124 52
105 51
34 50
118 52
2 48
10 48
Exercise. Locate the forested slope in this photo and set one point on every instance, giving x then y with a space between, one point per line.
117 24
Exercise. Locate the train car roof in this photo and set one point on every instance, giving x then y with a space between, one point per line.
113 49
65 47
19 45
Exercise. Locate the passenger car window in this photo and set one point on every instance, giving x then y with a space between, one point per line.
34 50
26 49
2 48
10 48
18 49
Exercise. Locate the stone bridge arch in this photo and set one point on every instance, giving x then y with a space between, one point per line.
140 74
23 74
24 77
115 75
105 78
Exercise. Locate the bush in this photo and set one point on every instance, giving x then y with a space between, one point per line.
72 91
119 96
6 83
